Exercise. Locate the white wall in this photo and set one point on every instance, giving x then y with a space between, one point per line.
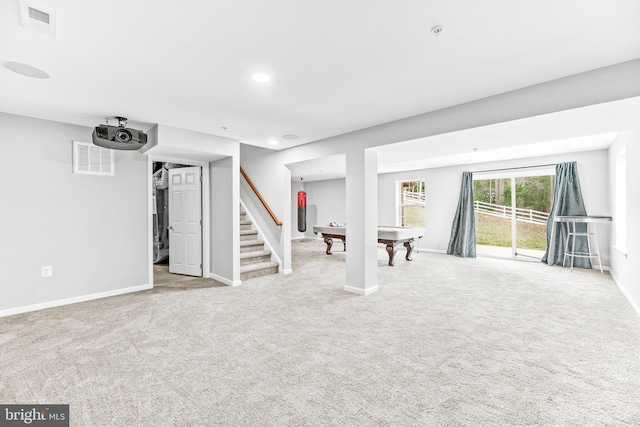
225 220
184 144
219 159
589 90
326 202
625 266
443 190
91 229
267 168
270 178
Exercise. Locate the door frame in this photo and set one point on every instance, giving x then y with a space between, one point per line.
206 232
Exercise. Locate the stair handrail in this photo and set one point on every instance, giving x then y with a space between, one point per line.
264 203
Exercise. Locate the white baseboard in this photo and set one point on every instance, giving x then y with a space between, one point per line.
626 295
433 251
287 271
360 291
224 280
67 301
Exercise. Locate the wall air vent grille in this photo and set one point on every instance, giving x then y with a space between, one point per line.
39 15
89 159
37 19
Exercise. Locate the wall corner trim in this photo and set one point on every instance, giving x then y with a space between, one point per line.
73 300
224 280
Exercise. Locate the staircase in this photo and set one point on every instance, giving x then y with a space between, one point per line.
255 260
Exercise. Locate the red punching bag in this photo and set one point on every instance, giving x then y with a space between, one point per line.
302 211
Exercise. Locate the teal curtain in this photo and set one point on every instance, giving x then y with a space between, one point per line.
463 230
567 200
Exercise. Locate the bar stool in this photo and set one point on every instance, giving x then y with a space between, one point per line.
572 234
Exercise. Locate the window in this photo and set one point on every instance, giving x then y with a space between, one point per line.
412 204
621 200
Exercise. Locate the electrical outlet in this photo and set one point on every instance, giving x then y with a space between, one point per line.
47 271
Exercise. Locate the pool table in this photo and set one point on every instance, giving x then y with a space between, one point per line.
388 235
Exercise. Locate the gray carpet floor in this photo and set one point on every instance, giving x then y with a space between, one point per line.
446 341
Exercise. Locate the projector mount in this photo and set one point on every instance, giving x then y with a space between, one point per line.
122 121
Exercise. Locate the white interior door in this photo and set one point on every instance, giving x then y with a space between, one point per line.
185 221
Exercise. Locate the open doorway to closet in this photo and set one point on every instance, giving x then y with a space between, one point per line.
177 221
511 210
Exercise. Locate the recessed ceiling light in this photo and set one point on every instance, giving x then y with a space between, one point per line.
260 77
273 142
290 137
26 70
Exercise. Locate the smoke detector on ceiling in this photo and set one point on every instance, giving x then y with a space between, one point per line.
37 19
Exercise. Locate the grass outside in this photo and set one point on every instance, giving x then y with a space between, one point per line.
413 216
495 231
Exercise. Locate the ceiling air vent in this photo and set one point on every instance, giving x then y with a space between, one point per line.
38 19
39 15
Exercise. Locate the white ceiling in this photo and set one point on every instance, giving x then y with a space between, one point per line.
416 155
336 66
594 127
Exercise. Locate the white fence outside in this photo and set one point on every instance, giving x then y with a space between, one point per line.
525 215
413 198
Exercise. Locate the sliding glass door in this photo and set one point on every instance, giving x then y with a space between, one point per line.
511 211
493 217
534 196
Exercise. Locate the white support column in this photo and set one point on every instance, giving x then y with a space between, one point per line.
235 215
286 223
362 222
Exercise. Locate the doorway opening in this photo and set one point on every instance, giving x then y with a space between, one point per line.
511 210
176 222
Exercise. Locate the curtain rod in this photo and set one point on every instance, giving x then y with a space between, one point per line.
512 169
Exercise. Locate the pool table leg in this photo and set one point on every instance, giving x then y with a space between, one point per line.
391 250
409 246
329 241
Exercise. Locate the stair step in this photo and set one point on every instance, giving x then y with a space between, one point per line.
251 245
252 271
248 235
255 257
255 260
